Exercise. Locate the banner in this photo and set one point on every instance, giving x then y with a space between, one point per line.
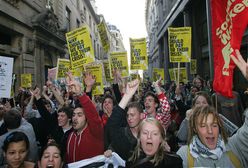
64 66
107 70
96 69
182 76
104 36
6 70
157 73
26 80
118 60
179 40
99 161
138 54
227 32
80 47
193 66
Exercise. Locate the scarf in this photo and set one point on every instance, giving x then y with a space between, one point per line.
198 149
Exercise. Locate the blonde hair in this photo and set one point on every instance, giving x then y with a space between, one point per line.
202 112
159 155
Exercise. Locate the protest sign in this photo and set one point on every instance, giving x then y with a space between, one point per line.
63 67
193 66
138 54
182 74
26 80
103 36
107 70
118 60
179 40
96 69
229 23
6 69
99 161
80 47
157 73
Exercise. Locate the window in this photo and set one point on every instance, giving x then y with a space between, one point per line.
90 21
78 4
78 23
68 18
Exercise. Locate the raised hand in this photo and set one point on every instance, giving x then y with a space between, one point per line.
241 64
73 85
132 87
89 81
157 84
36 93
117 76
130 91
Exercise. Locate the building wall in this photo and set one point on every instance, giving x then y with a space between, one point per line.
186 13
33 33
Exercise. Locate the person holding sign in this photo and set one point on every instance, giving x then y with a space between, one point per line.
87 138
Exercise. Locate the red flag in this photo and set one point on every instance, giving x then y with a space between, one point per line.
229 21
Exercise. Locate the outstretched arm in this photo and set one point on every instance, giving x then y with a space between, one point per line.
130 90
89 81
241 64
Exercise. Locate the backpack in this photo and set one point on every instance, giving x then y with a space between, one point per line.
234 159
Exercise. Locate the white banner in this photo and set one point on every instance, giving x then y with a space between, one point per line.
99 161
6 69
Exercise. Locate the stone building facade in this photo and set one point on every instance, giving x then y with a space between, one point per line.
33 33
162 14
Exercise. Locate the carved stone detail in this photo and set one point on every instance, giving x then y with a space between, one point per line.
49 21
13 3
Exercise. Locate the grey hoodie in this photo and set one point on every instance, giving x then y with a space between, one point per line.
238 144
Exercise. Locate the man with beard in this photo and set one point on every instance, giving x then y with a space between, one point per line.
86 140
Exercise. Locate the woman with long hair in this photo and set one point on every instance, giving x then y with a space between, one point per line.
151 147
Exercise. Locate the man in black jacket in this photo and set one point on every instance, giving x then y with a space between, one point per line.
123 139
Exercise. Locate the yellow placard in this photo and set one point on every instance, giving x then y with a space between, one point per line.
118 60
96 69
157 73
26 80
80 47
135 76
193 65
107 70
179 40
183 77
103 36
138 54
64 66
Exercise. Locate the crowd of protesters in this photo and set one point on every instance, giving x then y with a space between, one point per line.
146 124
